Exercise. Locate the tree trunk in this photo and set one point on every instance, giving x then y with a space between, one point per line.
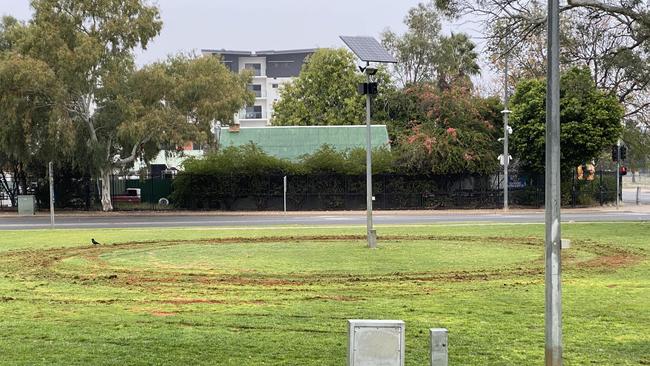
107 204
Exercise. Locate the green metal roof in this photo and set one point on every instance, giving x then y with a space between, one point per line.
292 142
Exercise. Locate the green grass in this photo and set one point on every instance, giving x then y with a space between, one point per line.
282 295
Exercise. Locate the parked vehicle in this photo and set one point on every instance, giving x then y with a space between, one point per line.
132 195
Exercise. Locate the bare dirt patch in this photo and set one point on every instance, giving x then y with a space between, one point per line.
163 313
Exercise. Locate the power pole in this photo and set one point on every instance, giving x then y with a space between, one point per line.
553 289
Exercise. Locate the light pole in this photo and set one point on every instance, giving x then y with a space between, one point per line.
371 232
553 289
368 50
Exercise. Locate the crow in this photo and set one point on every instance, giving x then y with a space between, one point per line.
94 242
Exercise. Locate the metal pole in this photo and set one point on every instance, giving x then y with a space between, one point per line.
618 172
506 155
638 193
285 194
553 310
51 173
372 240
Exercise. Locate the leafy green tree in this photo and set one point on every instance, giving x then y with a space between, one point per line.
425 55
444 131
456 61
590 121
637 140
325 92
416 49
113 112
32 129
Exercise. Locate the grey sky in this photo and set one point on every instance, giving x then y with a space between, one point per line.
265 24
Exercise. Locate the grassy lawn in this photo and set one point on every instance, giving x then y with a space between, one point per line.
281 296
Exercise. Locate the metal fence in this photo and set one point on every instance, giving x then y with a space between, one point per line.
391 191
324 192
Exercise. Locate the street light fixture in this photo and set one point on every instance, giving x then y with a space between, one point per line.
368 50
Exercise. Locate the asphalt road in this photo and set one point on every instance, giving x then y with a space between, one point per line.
8 222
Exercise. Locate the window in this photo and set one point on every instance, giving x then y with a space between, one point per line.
227 64
256 88
255 68
275 86
253 112
280 64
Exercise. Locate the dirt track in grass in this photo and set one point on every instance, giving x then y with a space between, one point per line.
44 263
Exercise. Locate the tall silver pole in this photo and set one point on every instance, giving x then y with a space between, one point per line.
51 174
618 172
506 155
372 238
553 316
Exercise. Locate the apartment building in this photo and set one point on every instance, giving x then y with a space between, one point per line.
271 69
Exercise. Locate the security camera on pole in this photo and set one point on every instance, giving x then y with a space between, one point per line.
506 131
368 50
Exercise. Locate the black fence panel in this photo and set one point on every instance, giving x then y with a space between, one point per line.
391 191
318 192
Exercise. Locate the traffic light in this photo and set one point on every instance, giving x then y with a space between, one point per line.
615 153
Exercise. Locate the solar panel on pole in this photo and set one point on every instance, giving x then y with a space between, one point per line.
368 49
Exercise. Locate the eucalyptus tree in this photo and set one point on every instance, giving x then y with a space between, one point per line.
109 112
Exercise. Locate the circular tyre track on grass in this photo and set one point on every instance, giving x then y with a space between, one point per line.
85 264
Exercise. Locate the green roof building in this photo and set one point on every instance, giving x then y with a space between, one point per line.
292 142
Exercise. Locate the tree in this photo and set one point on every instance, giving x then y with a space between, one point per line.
637 140
456 61
415 50
611 38
114 112
590 121
325 92
31 127
444 131
423 54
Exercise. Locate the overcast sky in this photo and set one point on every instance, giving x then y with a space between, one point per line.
265 24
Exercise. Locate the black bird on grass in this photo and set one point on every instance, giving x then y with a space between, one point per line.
94 241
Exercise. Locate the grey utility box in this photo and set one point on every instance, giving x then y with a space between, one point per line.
26 205
376 343
439 347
